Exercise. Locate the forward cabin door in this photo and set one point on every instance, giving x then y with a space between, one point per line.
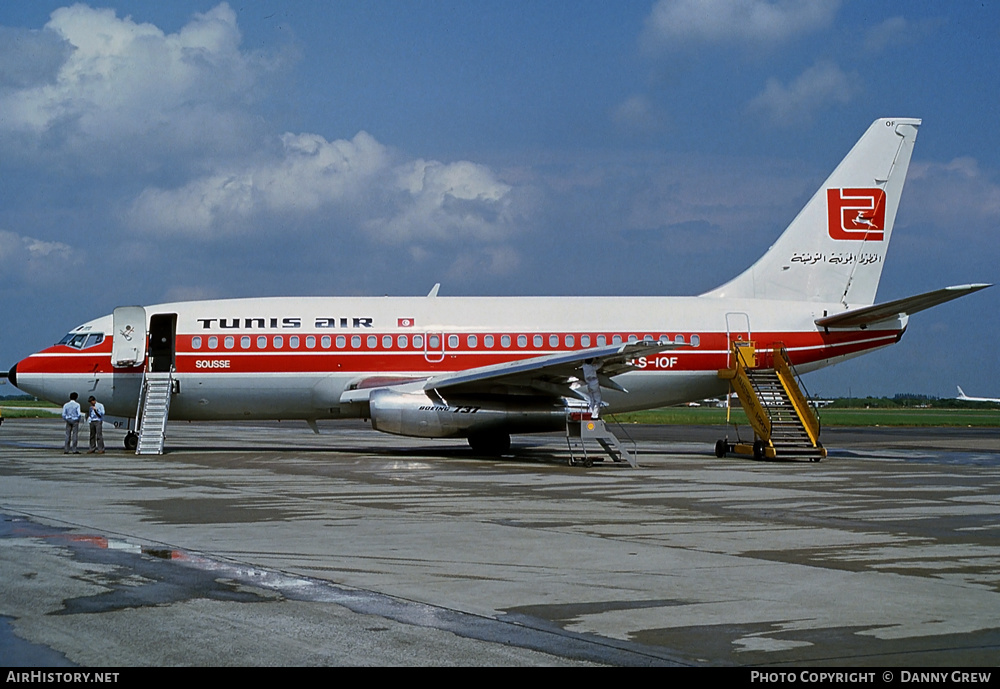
128 348
162 335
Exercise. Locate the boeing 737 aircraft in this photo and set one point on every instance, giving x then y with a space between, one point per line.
483 368
965 398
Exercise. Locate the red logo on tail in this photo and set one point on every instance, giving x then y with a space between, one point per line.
856 213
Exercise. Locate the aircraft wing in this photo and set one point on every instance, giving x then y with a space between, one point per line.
866 315
551 374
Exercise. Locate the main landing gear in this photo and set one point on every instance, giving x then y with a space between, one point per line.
131 441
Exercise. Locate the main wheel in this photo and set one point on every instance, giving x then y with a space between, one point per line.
131 441
494 443
721 448
758 450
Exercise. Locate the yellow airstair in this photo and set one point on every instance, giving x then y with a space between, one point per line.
785 424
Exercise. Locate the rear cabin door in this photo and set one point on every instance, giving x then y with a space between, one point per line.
738 327
162 335
128 348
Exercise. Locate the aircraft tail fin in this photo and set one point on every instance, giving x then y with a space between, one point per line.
834 249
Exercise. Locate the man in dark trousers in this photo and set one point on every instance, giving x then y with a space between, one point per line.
96 418
71 415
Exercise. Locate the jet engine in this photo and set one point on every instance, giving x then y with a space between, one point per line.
487 421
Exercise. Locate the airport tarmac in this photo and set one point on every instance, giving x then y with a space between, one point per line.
264 544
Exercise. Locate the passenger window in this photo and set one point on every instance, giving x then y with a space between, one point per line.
664 339
453 341
678 339
213 342
553 340
245 342
695 340
401 341
278 342
505 341
434 341
293 342
310 342
584 340
196 342
617 339
522 340
261 342
372 342
632 338
341 341
488 341
536 341
326 342
230 342
356 341
418 341
472 341
602 340
387 341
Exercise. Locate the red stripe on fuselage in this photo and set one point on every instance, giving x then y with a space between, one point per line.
710 354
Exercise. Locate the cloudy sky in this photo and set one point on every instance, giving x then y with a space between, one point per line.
156 151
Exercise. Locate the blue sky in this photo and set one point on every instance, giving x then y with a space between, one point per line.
157 151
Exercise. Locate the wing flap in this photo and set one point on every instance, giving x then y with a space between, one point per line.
867 315
551 371
550 374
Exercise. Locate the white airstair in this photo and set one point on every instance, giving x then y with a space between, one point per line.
582 426
154 406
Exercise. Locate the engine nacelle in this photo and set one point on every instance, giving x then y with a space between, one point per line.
418 415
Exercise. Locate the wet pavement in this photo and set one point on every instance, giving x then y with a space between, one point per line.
268 545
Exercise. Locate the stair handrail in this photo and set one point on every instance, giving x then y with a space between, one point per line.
635 446
800 399
765 424
142 396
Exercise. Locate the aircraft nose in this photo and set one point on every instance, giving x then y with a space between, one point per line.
12 375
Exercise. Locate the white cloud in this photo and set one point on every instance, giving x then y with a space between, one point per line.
35 261
310 174
489 261
897 31
676 23
172 115
357 182
636 114
460 200
821 86
127 85
957 196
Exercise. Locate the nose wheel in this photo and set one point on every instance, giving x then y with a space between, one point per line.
131 441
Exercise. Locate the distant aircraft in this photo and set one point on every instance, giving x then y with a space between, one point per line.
483 368
965 398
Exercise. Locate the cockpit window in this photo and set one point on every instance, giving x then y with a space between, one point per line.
82 340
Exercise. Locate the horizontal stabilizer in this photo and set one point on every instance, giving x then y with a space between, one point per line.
867 315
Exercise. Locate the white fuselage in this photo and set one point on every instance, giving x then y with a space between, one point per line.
293 358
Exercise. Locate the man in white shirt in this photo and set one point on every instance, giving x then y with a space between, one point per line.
96 418
71 415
